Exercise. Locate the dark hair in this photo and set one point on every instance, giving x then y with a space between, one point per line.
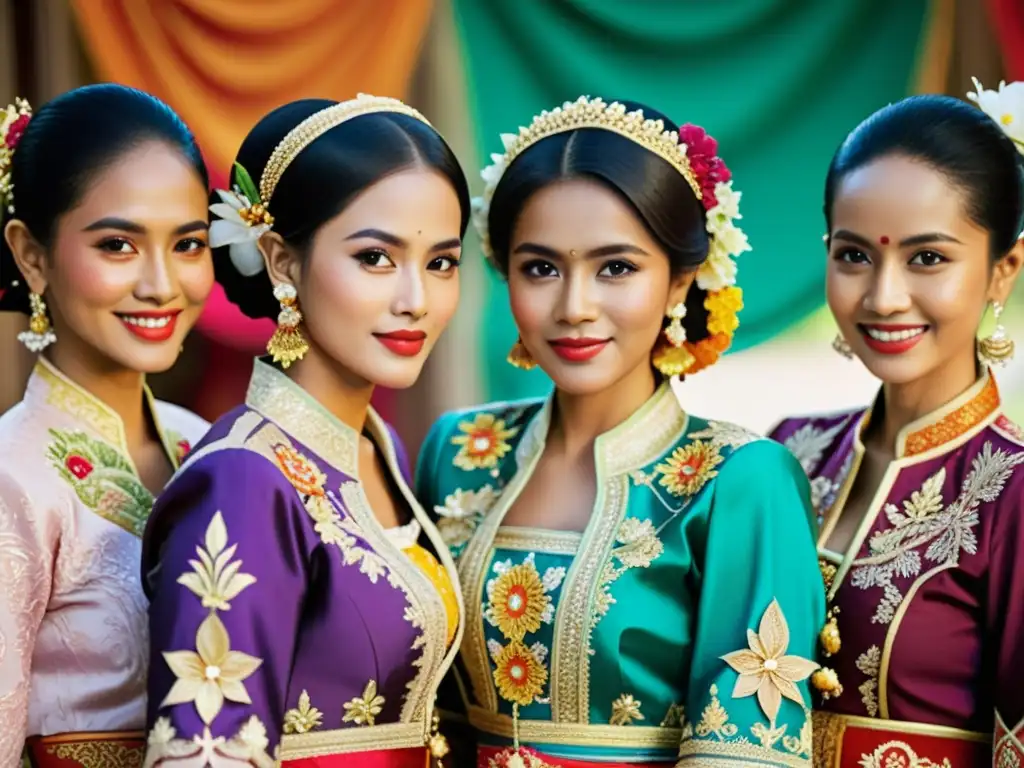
324 178
956 139
655 190
70 140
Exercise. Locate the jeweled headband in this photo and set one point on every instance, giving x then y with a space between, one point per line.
693 153
244 212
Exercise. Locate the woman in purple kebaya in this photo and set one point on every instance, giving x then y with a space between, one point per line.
920 497
303 607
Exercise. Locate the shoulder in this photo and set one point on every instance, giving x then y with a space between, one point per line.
736 449
1008 431
30 453
815 422
181 422
812 438
483 436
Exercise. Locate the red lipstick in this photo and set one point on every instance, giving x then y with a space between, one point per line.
154 326
892 339
578 350
404 343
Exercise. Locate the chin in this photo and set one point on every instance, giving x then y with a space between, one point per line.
902 369
397 376
581 380
149 361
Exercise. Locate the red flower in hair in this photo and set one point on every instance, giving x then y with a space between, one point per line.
16 131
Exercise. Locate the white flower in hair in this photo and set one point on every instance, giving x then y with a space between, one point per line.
1005 106
242 221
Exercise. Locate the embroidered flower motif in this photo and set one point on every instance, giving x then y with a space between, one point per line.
483 442
640 543
363 710
303 718
78 466
764 669
625 710
462 512
215 577
688 468
300 471
519 677
518 602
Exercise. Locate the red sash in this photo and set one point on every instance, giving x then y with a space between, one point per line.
123 749
410 757
485 754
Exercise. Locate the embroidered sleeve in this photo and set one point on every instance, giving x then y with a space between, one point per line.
761 605
225 597
28 541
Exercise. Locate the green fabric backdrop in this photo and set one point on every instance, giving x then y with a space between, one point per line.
779 83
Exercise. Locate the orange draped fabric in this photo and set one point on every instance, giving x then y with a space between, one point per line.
223 64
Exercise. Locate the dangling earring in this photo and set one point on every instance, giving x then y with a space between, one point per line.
842 346
40 334
673 358
519 356
287 344
996 349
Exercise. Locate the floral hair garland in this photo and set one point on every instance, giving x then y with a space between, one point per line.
1005 106
14 119
691 151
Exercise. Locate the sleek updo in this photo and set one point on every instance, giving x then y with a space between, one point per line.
655 190
68 142
325 177
956 139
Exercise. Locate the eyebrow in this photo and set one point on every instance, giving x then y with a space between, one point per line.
604 251
397 242
112 222
922 239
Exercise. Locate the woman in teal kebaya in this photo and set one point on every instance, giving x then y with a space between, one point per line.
641 583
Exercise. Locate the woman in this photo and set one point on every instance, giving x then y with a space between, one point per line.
919 496
621 559
323 609
105 246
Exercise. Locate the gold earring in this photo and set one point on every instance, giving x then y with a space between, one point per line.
996 349
519 356
40 334
842 346
287 344
671 357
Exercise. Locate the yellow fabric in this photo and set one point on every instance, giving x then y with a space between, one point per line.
438 576
223 64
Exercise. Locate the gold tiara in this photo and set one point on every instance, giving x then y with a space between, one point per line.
316 125
586 112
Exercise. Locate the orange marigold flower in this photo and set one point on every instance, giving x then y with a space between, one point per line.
518 601
519 677
483 441
686 471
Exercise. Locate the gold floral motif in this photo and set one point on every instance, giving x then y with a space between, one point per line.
639 546
247 747
210 674
304 717
870 663
828 572
686 471
764 668
363 710
518 675
518 601
99 754
462 512
483 442
215 578
714 720
302 473
675 717
723 433
625 710
898 754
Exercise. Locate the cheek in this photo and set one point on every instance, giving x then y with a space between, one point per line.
442 297
633 308
87 280
531 304
196 279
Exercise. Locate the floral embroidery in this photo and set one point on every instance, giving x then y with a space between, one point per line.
483 441
764 668
809 443
714 720
104 480
300 471
518 675
686 471
639 547
675 717
625 710
518 602
899 754
216 578
247 747
870 663
303 718
725 434
182 447
363 710
462 512
947 531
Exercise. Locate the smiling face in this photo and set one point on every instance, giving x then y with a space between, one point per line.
909 272
380 282
129 268
589 286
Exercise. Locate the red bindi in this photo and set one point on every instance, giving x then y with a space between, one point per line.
884 239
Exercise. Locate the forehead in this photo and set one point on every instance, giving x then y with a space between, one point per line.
579 214
896 197
404 203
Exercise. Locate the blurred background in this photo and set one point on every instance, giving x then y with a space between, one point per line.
779 83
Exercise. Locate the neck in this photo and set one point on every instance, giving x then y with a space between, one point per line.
906 403
120 389
581 419
344 395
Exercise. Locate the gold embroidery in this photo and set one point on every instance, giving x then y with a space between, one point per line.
518 601
303 718
461 513
625 710
483 441
640 546
248 746
809 443
674 718
216 579
67 396
526 539
99 754
947 531
689 467
518 674
828 572
869 663
362 710
102 478
764 669
302 473
955 424
714 720
898 754
722 433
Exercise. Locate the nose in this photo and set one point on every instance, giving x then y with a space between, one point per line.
576 304
888 293
411 297
157 282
